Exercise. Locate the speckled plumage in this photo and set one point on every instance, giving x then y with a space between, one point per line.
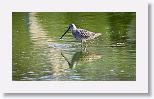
83 35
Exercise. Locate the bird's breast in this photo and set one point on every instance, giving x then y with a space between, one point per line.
76 35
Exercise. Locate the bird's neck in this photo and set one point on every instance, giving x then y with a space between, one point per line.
73 29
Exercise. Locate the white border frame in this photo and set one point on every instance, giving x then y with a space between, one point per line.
138 86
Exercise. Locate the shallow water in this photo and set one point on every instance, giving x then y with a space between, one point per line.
39 55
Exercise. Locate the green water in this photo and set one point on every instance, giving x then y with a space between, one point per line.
39 55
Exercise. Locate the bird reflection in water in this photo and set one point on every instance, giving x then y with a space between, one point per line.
81 57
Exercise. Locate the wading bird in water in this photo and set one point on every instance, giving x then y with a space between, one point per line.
81 34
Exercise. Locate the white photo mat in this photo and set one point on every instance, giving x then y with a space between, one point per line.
138 86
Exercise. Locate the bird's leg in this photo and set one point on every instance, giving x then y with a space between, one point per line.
81 44
85 46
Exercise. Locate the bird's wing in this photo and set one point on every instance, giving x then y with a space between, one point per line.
85 33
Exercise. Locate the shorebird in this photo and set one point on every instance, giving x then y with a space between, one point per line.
81 34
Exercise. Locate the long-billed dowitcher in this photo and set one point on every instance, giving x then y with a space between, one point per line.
81 34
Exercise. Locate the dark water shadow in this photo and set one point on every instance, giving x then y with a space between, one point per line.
80 57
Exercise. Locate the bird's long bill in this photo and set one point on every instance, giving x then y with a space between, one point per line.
65 33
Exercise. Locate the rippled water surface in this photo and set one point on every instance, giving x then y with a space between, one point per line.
39 55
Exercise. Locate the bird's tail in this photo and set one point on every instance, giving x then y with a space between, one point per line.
97 34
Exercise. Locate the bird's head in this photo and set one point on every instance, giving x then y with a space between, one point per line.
71 27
